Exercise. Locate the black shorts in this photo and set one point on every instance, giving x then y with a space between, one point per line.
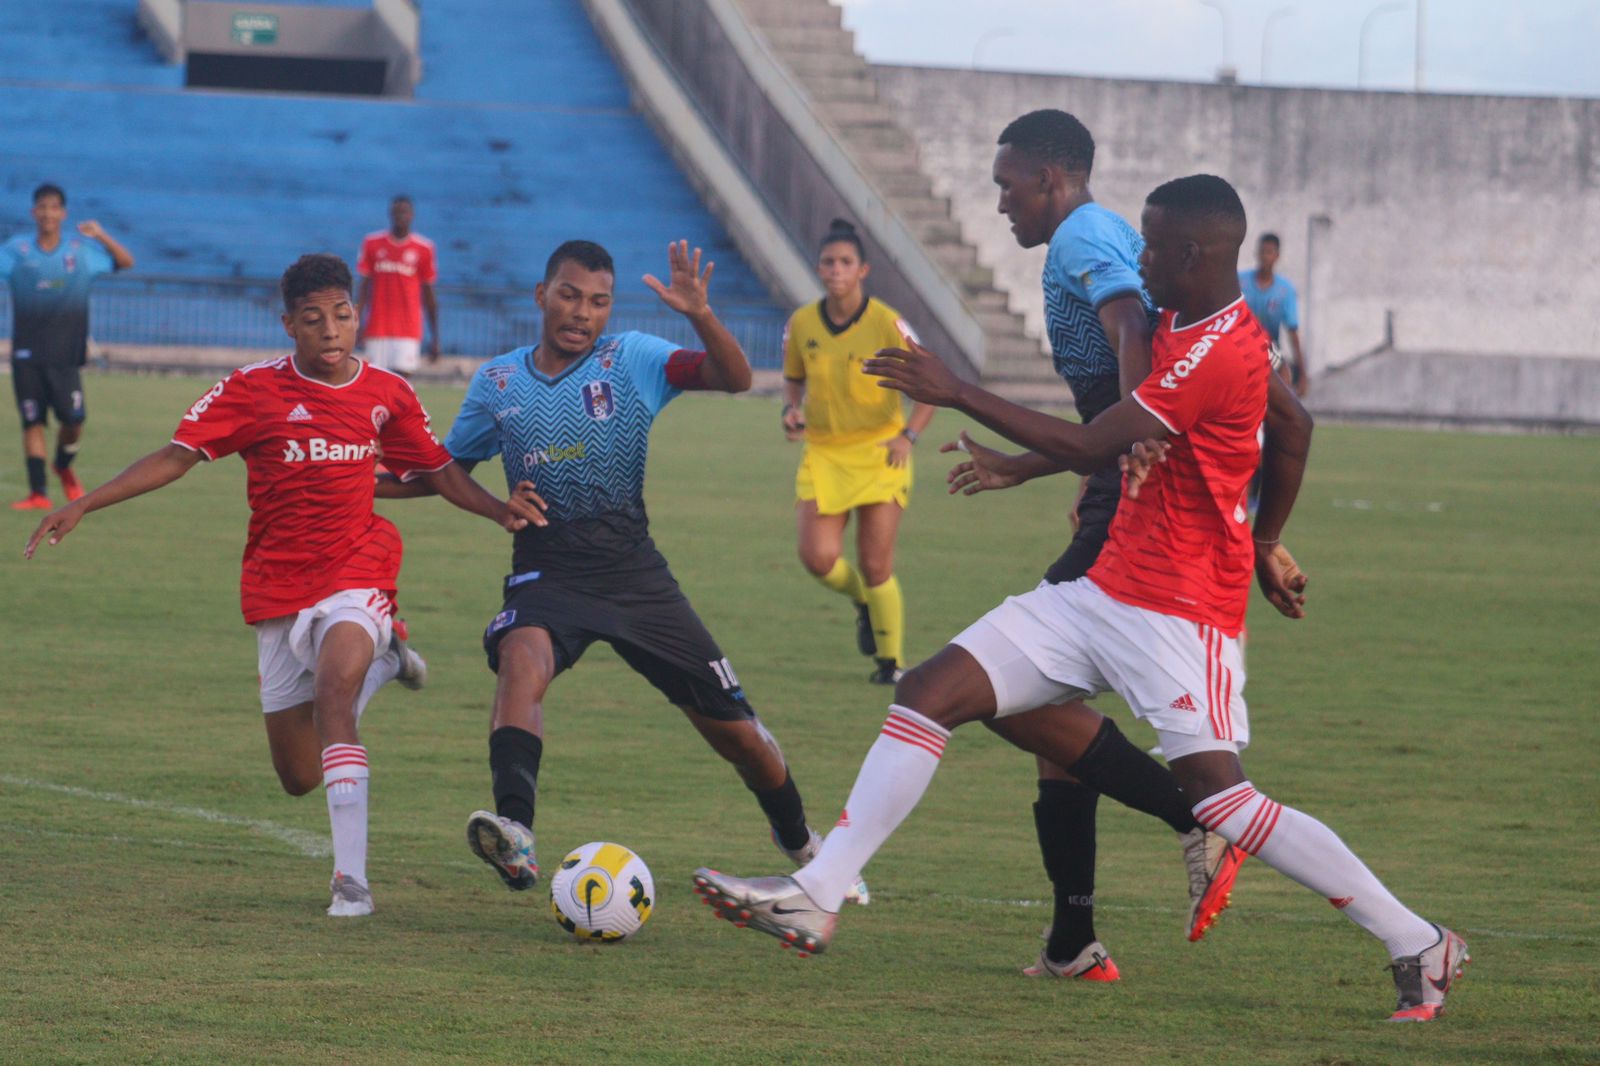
1095 512
48 385
648 621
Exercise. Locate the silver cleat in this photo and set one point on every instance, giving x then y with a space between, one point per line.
351 898
1212 863
776 906
413 667
505 845
859 893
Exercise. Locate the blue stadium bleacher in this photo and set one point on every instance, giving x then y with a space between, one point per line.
520 137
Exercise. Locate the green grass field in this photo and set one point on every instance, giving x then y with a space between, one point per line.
161 900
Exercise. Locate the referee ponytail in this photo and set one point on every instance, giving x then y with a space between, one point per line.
840 230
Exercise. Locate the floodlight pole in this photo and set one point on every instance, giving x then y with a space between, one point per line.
1227 50
1366 25
1266 33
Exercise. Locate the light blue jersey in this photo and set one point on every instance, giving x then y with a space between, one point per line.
1275 306
50 296
1093 258
581 437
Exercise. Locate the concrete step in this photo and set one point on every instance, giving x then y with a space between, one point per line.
953 256
810 65
1015 347
997 321
882 162
765 13
854 112
914 209
793 40
828 91
878 138
935 230
988 300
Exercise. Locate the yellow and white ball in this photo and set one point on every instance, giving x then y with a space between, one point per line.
602 892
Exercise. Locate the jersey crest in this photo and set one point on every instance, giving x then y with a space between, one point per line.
597 400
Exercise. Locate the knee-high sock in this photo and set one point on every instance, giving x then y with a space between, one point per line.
1114 766
893 777
384 669
845 580
1304 850
344 775
1064 818
888 613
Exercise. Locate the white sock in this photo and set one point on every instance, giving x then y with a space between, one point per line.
344 775
1304 850
384 669
893 777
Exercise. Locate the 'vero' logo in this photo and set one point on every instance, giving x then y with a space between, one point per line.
322 450
1191 359
200 405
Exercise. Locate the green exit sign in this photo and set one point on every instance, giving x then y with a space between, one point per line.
255 29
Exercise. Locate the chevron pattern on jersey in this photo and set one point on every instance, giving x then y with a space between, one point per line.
1078 345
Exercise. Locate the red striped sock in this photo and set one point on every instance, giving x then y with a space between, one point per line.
344 776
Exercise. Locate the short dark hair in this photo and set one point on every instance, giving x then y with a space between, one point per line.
841 230
50 189
400 198
1272 239
1200 197
586 254
1053 137
313 273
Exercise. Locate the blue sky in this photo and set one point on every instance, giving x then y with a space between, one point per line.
1477 46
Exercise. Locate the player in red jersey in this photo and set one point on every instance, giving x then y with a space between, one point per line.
320 568
1156 619
398 268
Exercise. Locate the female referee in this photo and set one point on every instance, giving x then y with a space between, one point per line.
858 442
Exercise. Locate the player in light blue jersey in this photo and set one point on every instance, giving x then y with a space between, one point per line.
571 416
1272 299
50 274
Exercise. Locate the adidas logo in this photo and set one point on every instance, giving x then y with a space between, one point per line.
1184 702
1341 902
299 414
844 819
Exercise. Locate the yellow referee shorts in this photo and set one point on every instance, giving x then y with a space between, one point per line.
841 478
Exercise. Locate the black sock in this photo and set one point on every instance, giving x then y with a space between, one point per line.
35 476
1064 817
1112 765
514 763
787 814
64 456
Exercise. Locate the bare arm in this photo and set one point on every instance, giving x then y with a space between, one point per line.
457 486
121 258
363 305
1299 361
794 416
726 369
430 304
1283 467
160 467
1128 329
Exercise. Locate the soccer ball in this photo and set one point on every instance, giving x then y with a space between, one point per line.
602 892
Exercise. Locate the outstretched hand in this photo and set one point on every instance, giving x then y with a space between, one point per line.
688 288
55 525
916 372
524 508
1139 460
1281 579
985 471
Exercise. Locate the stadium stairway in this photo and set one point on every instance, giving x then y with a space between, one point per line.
521 136
810 39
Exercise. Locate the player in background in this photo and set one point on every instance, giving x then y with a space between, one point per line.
50 275
398 269
1156 618
320 568
573 414
1272 299
1099 322
857 457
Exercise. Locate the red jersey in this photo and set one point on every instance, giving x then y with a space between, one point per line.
310 449
398 270
1183 546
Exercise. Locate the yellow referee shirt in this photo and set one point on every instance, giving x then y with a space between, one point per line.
843 405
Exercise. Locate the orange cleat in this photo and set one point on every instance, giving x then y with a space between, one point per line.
70 484
37 501
1213 865
1092 964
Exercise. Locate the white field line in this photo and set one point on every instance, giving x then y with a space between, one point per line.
311 845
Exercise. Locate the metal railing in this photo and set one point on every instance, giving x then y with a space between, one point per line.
181 312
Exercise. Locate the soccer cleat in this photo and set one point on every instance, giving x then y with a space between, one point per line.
1213 864
351 898
1423 980
413 667
505 845
69 483
36 501
887 673
1092 964
866 643
773 905
858 894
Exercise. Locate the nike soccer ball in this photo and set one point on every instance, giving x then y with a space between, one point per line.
602 892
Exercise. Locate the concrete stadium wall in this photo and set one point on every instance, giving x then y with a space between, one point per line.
1473 219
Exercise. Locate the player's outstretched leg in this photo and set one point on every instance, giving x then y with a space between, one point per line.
1304 850
67 444
524 662
344 654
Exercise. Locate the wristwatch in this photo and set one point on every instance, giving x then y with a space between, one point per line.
910 434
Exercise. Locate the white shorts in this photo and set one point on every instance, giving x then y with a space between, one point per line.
1070 641
287 647
403 354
